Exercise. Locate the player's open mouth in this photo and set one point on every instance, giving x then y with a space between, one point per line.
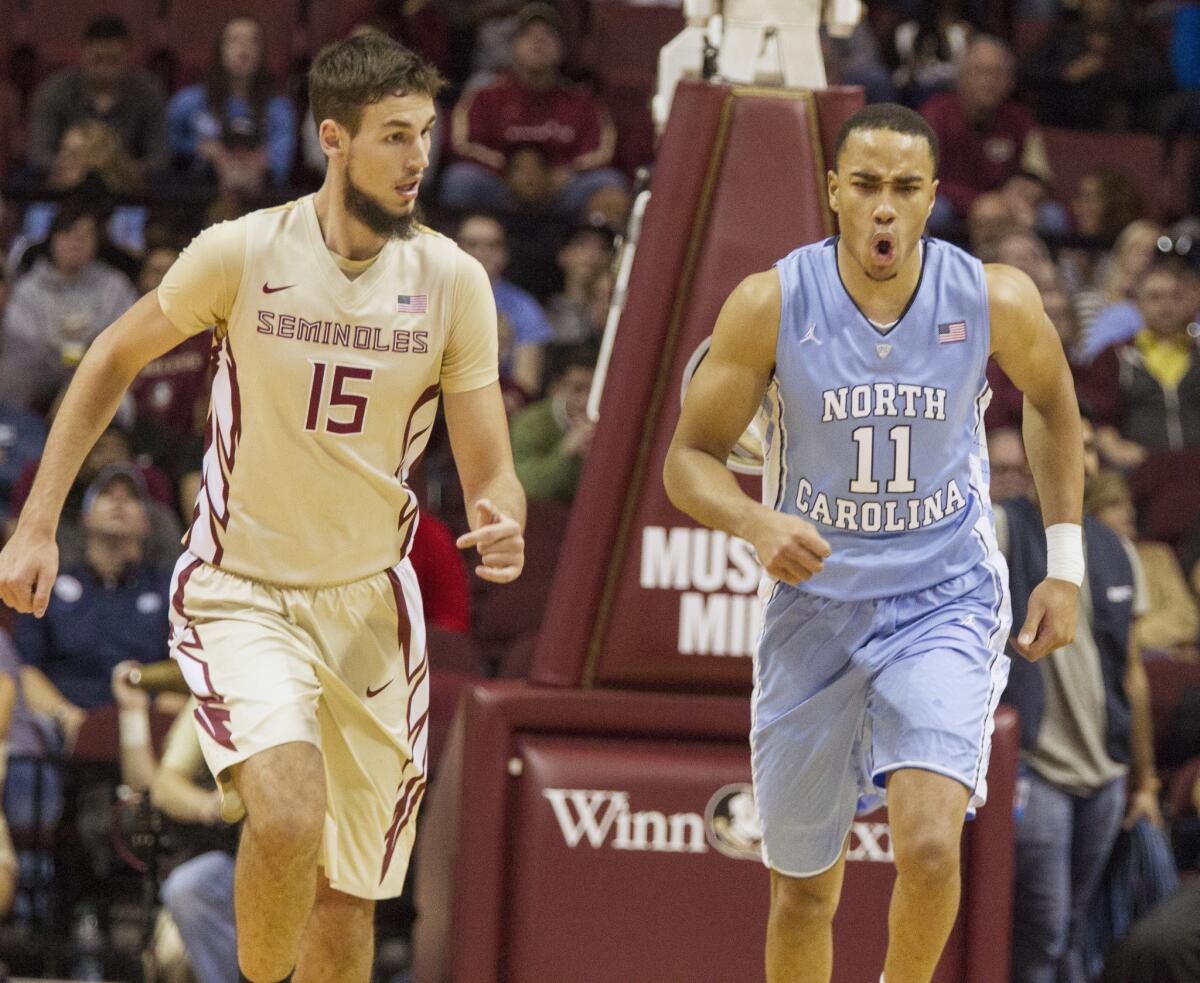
883 248
409 189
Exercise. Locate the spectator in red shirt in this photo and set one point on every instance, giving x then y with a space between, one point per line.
531 105
438 565
986 138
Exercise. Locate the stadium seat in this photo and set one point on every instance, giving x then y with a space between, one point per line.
192 29
620 51
451 651
1029 32
1140 156
55 29
1168 681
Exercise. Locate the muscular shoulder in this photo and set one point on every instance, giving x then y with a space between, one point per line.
1013 298
748 327
759 297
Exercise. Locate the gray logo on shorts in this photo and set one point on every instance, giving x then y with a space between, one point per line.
732 824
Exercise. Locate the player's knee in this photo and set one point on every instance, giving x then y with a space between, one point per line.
803 900
927 855
291 823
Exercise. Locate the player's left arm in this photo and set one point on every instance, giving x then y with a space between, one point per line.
1028 349
495 499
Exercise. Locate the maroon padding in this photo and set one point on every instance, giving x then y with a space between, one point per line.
606 473
529 907
737 185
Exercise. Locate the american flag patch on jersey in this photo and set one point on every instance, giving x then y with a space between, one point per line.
412 304
954 331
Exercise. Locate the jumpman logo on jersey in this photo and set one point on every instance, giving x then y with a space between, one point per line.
811 335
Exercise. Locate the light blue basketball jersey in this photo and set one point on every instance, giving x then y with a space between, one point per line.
876 436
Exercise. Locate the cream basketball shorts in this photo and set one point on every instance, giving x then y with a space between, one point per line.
341 667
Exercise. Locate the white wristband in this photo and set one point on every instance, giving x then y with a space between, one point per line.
134 728
1064 552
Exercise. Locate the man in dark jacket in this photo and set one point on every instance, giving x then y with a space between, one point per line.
1087 755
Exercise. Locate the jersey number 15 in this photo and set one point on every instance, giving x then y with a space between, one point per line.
338 397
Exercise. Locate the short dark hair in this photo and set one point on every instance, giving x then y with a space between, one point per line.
107 28
888 116
351 74
560 359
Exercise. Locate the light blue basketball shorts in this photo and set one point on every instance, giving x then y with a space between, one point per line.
846 692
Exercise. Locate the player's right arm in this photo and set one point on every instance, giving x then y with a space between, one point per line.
29 563
721 400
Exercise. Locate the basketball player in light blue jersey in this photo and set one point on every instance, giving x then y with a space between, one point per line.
882 653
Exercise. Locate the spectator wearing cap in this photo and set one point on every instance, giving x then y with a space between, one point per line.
57 309
531 105
112 447
483 236
985 137
111 607
234 126
551 438
105 87
583 258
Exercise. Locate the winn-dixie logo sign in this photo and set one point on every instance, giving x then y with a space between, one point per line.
716 576
605 818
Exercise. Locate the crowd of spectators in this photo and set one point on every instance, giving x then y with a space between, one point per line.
111 163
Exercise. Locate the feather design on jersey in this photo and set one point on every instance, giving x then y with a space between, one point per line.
416 672
186 649
408 514
222 435
408 798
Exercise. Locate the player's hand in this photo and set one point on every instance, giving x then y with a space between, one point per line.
1050 619
789 548
28 568
500 543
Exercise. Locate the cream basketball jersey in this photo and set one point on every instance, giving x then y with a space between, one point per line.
325 389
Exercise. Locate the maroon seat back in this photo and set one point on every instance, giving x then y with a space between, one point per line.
1140 156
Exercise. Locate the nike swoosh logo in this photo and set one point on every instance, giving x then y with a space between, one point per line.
275 290
376 692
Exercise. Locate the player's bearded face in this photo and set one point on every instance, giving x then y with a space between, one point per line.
376 215
882 192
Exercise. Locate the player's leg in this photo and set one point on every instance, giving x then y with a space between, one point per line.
938 675
339 939
800 925
925 812
808 711
283 790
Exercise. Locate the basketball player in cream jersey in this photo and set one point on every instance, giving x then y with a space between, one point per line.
339 324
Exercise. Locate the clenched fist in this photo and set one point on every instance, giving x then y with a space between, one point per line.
789 548
1049 620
